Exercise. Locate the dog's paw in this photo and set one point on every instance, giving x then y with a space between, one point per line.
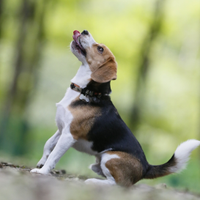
94 181
39 171
99 182
89 181
97 169
41 163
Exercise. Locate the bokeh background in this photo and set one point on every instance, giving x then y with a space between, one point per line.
157 46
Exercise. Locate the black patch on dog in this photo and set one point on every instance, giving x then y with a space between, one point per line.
103 88
109 131
155 171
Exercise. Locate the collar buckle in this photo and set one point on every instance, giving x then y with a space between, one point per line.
75 87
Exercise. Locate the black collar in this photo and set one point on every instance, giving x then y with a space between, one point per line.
89 94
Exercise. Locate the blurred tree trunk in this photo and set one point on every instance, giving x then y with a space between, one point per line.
27 54
1 17
144 63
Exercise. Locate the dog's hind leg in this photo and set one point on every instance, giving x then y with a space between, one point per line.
110 179
96 167
48 147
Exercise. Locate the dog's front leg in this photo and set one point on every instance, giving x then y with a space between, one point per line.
48 147
65 141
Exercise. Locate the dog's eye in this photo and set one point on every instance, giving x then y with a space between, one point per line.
100 49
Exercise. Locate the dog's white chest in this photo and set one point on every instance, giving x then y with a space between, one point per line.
70 95
63 115
64 118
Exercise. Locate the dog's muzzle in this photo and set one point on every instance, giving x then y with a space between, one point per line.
78 45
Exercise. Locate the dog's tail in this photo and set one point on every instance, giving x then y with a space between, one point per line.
177 162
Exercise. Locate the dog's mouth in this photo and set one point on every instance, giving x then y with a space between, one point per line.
77 42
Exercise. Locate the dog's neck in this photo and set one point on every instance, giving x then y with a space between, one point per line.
90 90
103 88
83 76
94 92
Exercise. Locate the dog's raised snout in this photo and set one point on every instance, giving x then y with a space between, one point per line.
85 32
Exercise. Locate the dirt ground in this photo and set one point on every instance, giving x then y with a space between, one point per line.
17 183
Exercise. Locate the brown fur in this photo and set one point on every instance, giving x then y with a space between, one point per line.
126 170
83 119
102 65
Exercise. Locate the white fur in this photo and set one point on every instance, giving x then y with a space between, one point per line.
110 179
48 147
84 146
62 140
64 143
82 97
182 154
83 76
87 43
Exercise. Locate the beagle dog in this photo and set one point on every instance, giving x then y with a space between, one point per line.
88 121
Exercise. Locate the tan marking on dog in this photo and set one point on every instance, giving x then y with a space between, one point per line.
83 119
126 170
103 65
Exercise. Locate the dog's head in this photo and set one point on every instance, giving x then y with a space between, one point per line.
98 57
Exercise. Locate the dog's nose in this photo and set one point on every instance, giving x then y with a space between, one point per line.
85 32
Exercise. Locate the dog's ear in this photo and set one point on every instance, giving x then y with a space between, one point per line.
106 72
